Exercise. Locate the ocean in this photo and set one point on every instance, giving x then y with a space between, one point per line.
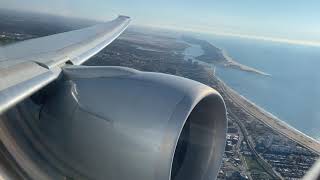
291 93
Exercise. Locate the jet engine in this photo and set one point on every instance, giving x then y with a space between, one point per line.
118 123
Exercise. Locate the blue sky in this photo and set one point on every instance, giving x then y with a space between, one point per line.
294 21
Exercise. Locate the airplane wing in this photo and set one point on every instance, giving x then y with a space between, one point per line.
103 122
27 66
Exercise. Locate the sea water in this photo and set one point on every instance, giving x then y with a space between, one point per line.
291 93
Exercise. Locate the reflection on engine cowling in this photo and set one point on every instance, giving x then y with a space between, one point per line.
119 123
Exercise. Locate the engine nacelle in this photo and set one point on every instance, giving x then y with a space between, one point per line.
119 123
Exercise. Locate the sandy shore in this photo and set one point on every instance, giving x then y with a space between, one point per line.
270 120
265 117
234 64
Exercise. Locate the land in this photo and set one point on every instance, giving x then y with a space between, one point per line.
17 25
256 147
259 146
218 56
271 121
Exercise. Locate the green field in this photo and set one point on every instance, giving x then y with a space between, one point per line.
256 171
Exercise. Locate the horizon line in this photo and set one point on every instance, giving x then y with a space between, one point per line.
211 32
240 35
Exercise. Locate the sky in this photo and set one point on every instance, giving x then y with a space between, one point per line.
291 21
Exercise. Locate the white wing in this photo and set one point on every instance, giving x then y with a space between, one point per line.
27 66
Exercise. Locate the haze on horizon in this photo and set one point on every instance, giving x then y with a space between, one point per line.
288 21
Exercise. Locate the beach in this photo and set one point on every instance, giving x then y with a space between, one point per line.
229 62
270 120
248 106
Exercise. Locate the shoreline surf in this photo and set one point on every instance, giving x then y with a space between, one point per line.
271 120
265 116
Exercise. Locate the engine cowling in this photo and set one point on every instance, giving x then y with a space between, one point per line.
119 123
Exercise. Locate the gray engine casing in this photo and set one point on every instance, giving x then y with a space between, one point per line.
119 123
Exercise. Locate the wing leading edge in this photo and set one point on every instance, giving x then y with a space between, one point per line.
27 66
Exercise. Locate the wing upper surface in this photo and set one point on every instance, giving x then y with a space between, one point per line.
74 46
27 66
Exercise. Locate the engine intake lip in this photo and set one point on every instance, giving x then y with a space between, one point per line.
198 151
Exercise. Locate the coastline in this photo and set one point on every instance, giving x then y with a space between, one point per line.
270 120
218 56
259 113
236 65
